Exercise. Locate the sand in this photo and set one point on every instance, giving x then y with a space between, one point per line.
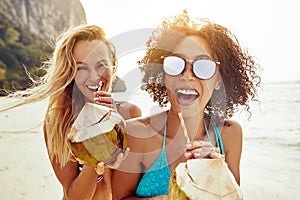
26 173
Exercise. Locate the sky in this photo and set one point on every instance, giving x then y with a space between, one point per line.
268 29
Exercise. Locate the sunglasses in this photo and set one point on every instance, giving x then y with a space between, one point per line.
203 68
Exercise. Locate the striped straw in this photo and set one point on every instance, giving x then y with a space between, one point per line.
184 128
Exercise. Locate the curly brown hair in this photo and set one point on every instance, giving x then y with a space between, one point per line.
237 68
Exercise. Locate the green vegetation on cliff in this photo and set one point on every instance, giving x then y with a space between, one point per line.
19 49
21 52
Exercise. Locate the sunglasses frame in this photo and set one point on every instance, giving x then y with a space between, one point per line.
192 63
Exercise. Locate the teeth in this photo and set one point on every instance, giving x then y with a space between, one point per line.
92 87
187 92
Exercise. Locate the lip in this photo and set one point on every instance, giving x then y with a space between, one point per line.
186 96
94 87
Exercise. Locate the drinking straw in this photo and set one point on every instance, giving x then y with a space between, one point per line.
184 128
99 86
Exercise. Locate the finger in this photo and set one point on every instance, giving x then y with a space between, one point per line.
200 152
216 155
188 155
119 159
197 144
217 150
100 168
201 155
112 106
126 153
102 94
104 99
203 150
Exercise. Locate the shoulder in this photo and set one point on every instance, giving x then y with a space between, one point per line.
232 127
128 110
142 131
232 134
146 126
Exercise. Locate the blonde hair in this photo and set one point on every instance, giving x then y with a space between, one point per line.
65 100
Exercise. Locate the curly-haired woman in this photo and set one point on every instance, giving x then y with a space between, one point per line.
200 68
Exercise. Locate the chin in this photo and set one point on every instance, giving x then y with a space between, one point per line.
190 111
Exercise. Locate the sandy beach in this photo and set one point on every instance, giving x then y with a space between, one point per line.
267 172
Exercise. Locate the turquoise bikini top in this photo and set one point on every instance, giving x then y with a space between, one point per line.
155 181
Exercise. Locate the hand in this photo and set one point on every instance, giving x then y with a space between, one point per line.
202 149
105 99
100 168
120 158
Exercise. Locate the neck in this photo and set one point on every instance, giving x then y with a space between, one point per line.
194 124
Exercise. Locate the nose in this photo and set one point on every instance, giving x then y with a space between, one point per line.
187 73
94 76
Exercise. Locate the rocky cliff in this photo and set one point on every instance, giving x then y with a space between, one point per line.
44 18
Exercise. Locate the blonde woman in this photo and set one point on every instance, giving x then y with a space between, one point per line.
82 59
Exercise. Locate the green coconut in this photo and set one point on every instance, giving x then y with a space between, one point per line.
98 134
201 179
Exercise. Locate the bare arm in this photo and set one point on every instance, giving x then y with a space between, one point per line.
126 178
232 139
81 185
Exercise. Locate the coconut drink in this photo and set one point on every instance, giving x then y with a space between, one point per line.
202 179
97 134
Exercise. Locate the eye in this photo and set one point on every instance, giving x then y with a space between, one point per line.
102 64
82 67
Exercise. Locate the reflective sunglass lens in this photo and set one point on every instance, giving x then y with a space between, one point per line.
204 69
173 65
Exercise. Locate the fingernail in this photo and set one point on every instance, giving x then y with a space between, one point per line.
101 164
188 145
198 154
122 155
187 154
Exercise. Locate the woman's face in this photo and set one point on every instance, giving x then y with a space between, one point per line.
93 65
186 92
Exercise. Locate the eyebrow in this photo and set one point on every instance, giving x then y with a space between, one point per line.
202 56
79 62
101 61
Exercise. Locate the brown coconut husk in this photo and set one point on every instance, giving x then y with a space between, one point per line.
98 134
202 179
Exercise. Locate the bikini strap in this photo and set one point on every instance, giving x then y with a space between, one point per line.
218 137
206 131
165 133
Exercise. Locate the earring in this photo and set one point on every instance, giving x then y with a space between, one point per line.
217 86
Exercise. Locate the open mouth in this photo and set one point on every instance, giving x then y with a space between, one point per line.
186 96
92 88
